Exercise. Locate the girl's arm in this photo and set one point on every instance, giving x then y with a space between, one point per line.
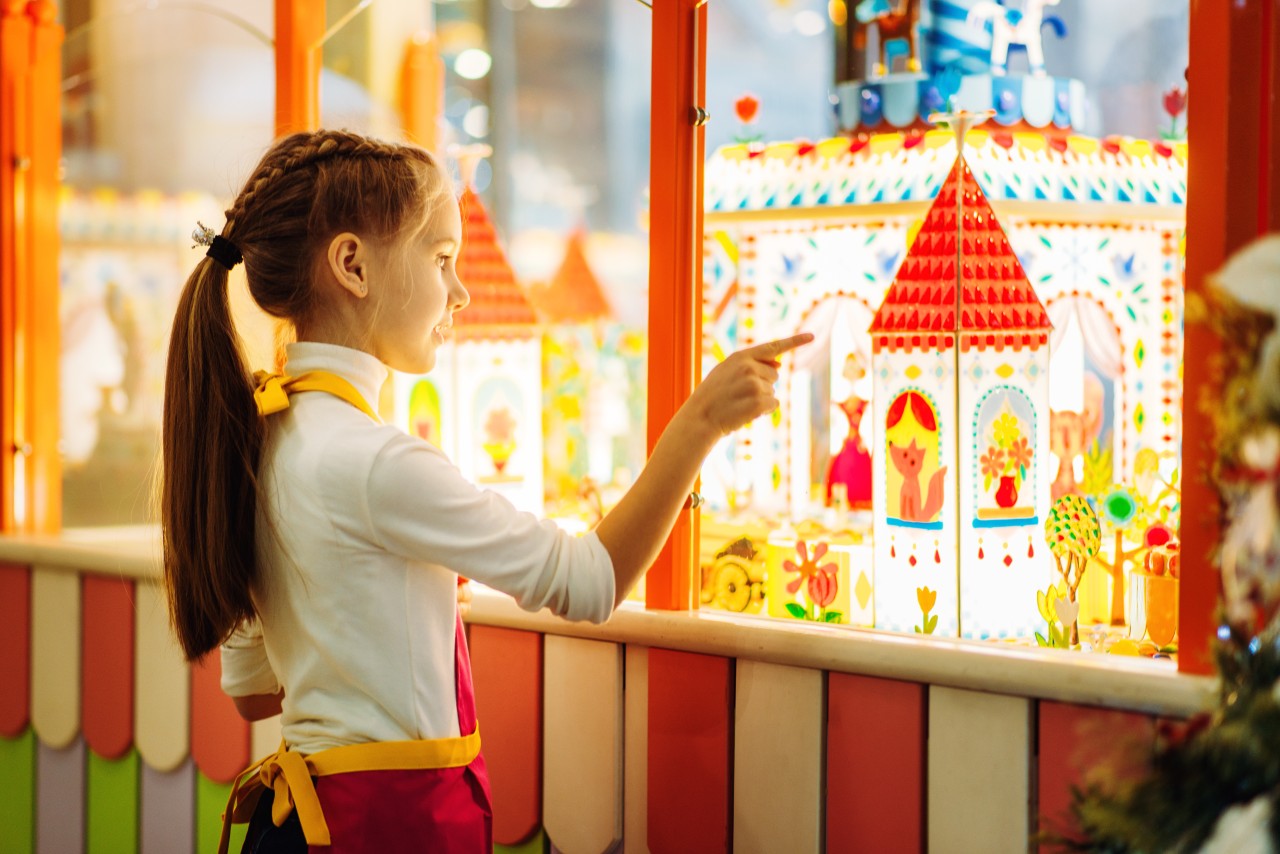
256 707
737 391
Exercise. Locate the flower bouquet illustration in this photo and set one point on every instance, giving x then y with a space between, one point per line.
499 437
1004 468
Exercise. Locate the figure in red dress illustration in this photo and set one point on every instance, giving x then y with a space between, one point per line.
852 465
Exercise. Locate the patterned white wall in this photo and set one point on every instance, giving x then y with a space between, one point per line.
916 560
1003 556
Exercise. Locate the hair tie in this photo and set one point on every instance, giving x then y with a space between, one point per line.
220 249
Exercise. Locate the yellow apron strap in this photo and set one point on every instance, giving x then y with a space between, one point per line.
272 392
397 755
288 774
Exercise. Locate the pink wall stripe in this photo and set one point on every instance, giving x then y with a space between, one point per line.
219 736
875 764
1084 744
167 804
690 751
15 649
107 661
60 798
506 666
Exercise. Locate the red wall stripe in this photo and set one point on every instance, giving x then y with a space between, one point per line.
107 665
219 736
1084 744
690 752
506 668
876 737
15 649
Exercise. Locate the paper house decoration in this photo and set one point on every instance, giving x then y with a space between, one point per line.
592 395
482 403
961 407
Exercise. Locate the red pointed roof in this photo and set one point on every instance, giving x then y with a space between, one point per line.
573 295
995 296
499 307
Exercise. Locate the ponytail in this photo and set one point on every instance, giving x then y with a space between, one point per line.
212 440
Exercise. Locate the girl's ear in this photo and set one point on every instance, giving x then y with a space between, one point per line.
347 259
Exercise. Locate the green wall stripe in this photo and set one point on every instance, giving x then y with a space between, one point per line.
17 792
536 844
211 802
111 804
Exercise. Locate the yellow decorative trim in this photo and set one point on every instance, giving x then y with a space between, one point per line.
1031 141
1083 145
881 143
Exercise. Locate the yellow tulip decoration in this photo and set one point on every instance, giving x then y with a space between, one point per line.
1074 535
926 599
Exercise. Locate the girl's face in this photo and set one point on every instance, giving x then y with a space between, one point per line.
417 292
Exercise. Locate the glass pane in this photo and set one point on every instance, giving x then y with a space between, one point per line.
165 110
549 411
362 63
898 456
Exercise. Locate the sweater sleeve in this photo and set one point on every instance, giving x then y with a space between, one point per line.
422 508
245 668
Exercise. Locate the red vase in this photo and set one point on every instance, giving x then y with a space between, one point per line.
1007 493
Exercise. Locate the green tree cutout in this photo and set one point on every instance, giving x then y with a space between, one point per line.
1074 535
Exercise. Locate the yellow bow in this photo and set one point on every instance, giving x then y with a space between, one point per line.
270 394
288 776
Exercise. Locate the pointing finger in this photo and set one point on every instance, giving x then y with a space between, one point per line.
771 350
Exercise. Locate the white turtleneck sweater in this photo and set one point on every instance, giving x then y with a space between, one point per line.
362 530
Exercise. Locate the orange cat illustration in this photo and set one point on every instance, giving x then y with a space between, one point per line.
907 461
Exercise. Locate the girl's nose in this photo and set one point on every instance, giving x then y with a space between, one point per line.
460 297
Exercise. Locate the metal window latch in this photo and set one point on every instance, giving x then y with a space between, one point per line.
699 116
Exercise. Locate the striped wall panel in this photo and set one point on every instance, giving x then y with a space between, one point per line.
17 792
55 656
635 733
60 798
506 667
210 803
107 670
265 737
167 810
111 803
582 738
979 783
690 752
875 764
15 649
128 748
219 736
162 694
1080 745
779 714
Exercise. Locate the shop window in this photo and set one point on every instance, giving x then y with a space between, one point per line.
164 110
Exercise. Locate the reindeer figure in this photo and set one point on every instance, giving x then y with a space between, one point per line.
896 21
1013 26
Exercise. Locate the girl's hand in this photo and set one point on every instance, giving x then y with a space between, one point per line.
740 389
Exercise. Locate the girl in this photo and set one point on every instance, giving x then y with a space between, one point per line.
319 548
